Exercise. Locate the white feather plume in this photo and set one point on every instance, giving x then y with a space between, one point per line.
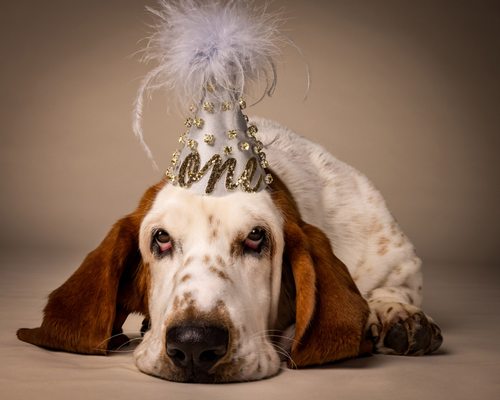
229 44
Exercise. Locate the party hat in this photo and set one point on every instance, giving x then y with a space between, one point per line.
211 53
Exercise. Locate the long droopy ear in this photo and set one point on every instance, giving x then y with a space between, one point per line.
85 311
330 312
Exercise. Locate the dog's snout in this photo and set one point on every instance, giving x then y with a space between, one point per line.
196 348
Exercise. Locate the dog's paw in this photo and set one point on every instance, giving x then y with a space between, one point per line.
403 329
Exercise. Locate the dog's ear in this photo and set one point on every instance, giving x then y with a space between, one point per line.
89 308
330 312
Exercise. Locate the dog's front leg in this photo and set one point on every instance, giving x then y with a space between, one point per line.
397 324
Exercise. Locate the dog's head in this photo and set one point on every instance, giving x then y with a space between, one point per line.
222 280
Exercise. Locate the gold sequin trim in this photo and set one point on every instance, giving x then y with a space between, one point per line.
189 122
208 107
198 122
257 148
210 88
232 134
226 106
209 139
175 158
252 130
183 138
190 172
243 104
192 144
228 150
244 146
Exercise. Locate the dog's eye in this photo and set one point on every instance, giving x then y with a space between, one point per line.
255 240
162 240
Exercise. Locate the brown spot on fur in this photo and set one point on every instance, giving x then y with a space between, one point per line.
220 261
402 240
394 228
206 259
214 222
375 226
389 310
187 261
220 274
213 234
361 263
177 303
383 245
187 300
186 278
236 245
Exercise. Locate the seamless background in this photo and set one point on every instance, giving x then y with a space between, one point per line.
407 92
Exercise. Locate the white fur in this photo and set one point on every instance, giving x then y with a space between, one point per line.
344 203
250 294
330 194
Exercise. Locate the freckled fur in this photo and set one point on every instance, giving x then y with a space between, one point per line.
220 274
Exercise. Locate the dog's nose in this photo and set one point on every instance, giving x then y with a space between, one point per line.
196 348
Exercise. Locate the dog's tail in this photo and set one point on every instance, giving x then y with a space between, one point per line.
199 44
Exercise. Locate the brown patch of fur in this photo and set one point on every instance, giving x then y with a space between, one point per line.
214 233
375 226
186 278
220 274
206 259
187 261
220 261
402 240
237 246
383 243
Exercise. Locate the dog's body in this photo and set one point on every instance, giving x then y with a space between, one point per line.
236 272
364 235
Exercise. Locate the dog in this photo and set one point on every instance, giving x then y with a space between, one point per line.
315 269
253 258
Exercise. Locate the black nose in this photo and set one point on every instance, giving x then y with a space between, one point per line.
196 348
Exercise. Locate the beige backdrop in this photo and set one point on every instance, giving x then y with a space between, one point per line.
408 92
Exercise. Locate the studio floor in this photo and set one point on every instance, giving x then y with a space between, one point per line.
463 299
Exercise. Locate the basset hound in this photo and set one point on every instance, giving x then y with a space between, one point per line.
312 270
